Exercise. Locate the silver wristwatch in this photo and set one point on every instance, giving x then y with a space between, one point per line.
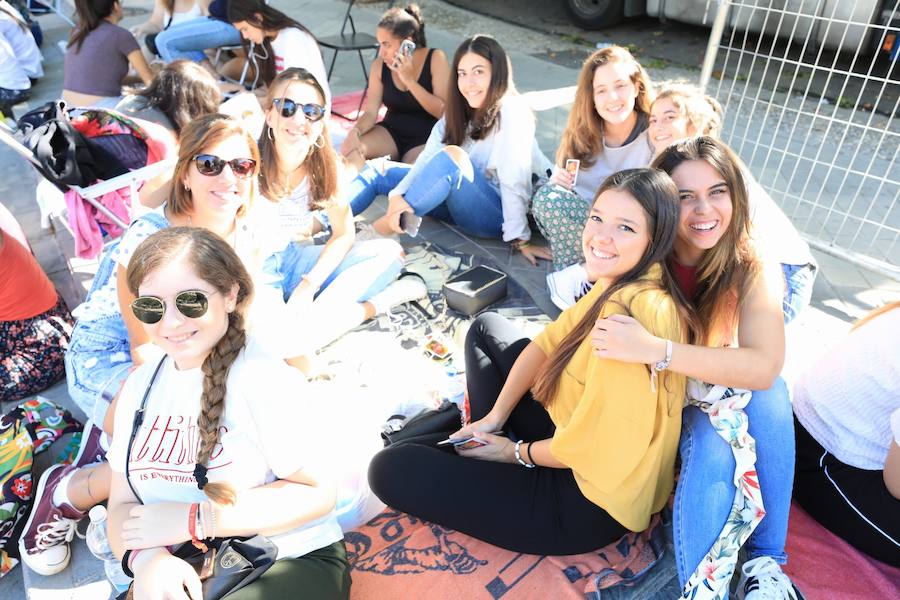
664 363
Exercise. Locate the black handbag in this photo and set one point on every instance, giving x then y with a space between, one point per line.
442 419
228 564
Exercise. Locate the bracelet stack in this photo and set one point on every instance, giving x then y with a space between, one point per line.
519 456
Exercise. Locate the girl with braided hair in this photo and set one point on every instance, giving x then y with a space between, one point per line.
211 457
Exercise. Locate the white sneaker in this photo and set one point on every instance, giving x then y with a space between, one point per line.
405 289
763 579
568 285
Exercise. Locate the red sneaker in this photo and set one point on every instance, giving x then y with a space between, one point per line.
90 451
44 545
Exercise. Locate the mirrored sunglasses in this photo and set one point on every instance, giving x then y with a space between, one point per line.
192 303
211 165
288 107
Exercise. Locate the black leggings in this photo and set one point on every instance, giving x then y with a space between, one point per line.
535 511
853 503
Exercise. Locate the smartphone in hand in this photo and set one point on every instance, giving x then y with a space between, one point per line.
464 443
410 223
407 47
572 166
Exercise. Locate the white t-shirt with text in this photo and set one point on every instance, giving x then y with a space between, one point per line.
265 435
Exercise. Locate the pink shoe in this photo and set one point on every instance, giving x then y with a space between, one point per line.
90 451
44 545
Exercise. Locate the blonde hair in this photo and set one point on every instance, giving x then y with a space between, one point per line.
703 113
583 136
195 138
216 263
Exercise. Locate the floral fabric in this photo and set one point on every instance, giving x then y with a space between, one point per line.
31 352
725 407
560 215
28 429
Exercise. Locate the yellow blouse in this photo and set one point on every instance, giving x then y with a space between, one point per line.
617 435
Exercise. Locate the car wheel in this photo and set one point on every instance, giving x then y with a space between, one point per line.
596 14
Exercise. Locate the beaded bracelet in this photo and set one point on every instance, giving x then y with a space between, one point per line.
519 457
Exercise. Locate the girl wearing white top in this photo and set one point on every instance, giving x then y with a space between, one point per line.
281 41
170 12
335 286
167 13
847 409
475 170
211 457
606 131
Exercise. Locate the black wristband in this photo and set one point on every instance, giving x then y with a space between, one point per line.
528 452
125 568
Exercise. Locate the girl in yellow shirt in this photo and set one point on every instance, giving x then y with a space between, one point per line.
575 449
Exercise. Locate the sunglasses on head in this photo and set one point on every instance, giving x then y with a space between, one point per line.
288 107
150 309
211 165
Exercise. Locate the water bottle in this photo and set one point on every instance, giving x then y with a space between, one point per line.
98 544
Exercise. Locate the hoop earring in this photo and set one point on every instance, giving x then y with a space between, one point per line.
320 138
269 134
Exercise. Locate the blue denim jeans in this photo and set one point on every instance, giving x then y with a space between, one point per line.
458 194
191 38
366 270
800 280
97 363
705 490
371 183
444 190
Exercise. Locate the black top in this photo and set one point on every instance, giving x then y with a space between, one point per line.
397 101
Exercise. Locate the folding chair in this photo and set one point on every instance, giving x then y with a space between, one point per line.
90 193
352 41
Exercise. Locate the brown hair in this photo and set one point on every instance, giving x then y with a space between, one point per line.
728 270
321 162
195 138
462 122
89 13
405 23
657 195
183 91
583 136
704 113
216 263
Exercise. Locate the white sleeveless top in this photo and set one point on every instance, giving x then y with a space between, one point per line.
181 17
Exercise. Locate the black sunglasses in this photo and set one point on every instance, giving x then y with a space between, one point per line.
150 309
211 165
288 107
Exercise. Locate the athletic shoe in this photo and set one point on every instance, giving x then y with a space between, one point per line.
91 450
406 289
44 545
763 579
568 285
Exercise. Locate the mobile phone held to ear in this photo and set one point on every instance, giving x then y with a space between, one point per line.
407 47
410 223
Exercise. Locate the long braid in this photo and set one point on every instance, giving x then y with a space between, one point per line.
212 404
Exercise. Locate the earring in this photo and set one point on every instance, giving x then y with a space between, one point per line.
269 134
321 138
186 188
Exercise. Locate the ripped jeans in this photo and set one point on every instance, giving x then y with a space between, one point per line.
97 363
